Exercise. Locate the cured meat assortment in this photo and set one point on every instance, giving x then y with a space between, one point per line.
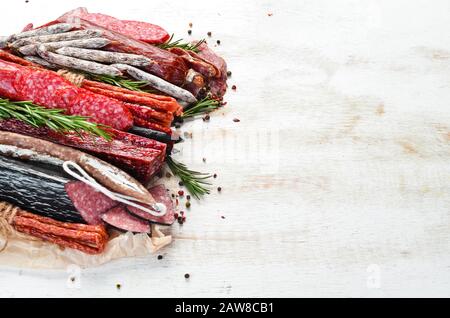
87 106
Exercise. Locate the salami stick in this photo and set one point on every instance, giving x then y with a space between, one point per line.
92 43
77 64
42 62
5 56
52 29
105 56
130 98
158 83
139 122
68 36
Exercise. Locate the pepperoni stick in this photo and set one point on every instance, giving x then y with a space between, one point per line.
91 43
73 35
74 63
52 29
158 83
5 56
130 98
105 56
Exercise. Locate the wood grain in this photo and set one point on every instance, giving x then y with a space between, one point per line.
336 179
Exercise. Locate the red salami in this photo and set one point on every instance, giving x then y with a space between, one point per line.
89 202
159 193
121 219
48 89
217 85
147 99
141 31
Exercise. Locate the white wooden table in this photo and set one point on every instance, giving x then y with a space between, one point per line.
336 180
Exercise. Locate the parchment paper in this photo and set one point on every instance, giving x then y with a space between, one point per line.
39 254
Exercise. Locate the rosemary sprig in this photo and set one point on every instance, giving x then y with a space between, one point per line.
178 43
193 180
123 82
206 105
55 119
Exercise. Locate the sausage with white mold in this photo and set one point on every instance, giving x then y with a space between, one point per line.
77 64
105 56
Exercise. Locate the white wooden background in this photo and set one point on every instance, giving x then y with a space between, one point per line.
336 180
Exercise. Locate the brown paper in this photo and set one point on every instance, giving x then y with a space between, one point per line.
39 254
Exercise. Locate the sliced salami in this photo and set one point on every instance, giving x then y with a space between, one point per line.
89 202
121 219
159 193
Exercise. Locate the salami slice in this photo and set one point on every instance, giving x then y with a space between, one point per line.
121 219
89 202
159 193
